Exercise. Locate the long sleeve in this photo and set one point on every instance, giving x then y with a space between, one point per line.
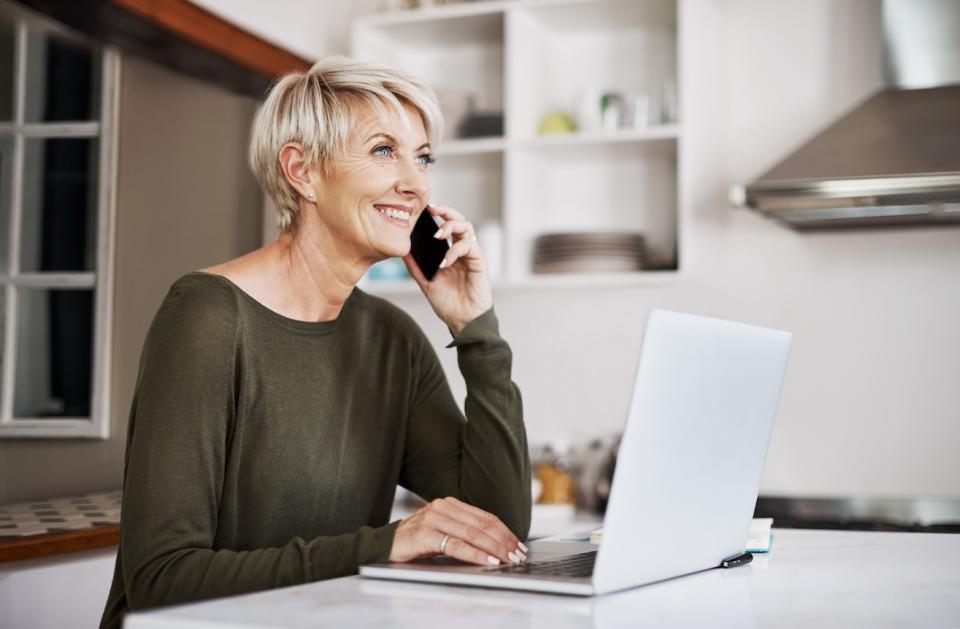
482 459
181 425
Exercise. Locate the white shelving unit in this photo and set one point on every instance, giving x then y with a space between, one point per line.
527 58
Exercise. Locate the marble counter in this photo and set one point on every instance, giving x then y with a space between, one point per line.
810 578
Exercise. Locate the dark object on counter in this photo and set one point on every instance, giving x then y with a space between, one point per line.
739 560
605 482
588 464
479 124
926 515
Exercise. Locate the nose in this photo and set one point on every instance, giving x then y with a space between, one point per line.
413 183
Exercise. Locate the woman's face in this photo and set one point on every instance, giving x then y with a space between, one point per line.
371 196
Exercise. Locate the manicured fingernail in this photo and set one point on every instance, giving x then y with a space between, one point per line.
522 547
513 558
521 556
493 561
439 231
443 263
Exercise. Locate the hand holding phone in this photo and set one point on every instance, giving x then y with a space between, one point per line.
427 251
460 291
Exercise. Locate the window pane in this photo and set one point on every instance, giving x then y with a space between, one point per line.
59 205
7 47
54 353
63 79
6 173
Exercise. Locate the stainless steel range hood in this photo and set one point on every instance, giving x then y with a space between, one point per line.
895 158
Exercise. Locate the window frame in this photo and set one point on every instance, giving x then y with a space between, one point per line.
97 426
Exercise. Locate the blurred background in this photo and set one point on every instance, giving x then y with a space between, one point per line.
617 156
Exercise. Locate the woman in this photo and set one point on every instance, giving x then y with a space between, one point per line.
277 406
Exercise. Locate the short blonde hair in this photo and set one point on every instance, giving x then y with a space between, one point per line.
316 109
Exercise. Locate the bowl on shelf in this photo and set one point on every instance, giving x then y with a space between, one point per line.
479 124
389 270
589 252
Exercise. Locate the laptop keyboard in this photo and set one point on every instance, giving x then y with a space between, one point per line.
579 565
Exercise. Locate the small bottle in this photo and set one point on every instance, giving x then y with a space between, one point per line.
605 481
640 112
554 476
589 112
490 237
671 102
612 107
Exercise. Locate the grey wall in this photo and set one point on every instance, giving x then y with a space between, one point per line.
186 200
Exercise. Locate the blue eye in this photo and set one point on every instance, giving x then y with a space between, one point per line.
427 159
386 150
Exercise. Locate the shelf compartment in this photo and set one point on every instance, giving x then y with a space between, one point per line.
566 54
449 51
623 187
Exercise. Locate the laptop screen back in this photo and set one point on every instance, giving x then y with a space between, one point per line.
692 454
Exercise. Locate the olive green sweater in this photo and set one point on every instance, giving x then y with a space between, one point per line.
265 451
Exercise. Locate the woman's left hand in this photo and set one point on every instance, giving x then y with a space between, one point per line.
460 291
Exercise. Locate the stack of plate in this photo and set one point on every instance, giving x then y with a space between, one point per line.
596 252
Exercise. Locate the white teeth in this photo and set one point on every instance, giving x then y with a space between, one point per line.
394 213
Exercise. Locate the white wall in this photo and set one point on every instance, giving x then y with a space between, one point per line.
870 405
309 28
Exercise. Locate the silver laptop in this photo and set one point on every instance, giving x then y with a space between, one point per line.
687 474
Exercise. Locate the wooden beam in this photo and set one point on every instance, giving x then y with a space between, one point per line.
181 36
216 34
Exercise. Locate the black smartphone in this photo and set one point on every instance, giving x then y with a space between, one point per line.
427 251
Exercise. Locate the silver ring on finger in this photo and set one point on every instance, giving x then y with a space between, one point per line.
443 544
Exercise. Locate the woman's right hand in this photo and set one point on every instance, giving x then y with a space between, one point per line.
476 536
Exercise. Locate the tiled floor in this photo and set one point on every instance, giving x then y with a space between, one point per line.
59 515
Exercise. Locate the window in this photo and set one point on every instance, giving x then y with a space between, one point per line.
58 96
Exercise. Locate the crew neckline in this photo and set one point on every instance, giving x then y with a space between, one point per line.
273 315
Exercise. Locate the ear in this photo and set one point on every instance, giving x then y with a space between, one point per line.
296 169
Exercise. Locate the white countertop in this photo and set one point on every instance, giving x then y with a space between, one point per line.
810 578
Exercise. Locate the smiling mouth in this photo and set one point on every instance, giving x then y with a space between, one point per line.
393 215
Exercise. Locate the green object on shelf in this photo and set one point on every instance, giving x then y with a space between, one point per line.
556 122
